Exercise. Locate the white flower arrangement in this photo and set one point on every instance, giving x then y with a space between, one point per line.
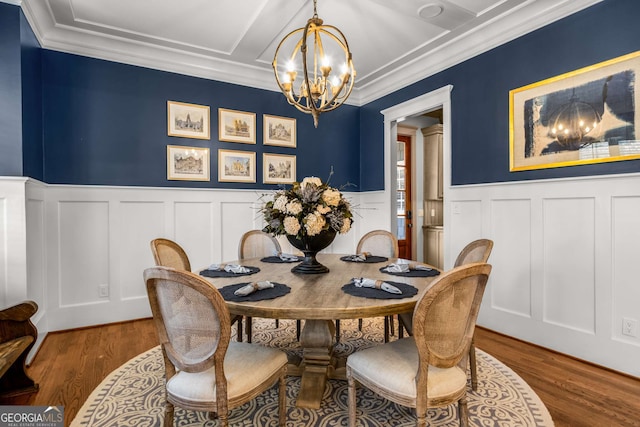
307 209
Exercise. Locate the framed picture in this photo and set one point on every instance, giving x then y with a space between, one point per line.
236 126
280 131
581 117
236 166
187 163
188 120
278 168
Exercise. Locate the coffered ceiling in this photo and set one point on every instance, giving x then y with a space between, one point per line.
394 43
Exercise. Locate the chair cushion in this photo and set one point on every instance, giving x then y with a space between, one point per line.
393 366
246 366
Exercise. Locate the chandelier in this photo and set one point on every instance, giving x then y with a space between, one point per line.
314 50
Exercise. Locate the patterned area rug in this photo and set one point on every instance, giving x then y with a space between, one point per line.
133 395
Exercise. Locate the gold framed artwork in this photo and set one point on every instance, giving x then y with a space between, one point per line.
280 131
585 116
236 126
187 163
188 120
278 168
236 166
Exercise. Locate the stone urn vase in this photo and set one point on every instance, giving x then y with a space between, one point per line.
310 246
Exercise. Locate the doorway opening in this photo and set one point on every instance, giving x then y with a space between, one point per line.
435 108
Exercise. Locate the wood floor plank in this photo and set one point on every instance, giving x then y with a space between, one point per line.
70 364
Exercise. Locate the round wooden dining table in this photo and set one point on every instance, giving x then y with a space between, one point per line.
318 299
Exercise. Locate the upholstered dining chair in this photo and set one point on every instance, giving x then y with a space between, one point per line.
253 244
168 253
476 251
205 370
380 243
425 370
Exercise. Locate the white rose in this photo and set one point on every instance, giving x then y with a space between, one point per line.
294 207
311 180
331 197
280 204
291 225
314 222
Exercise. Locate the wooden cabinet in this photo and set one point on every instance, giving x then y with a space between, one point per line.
432 162
434 246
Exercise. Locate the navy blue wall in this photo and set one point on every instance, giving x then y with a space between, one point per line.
10 92
31 102
480 96
105 124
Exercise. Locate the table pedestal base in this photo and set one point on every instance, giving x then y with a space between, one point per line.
317 364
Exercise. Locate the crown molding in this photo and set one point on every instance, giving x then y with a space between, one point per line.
531 16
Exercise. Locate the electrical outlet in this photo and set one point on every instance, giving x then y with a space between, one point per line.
629 327
103 290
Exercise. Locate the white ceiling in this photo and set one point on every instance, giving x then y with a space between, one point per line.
394 43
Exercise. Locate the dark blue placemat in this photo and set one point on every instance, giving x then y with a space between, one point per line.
371 259
278 260
222 273
407 291
278 290
413 273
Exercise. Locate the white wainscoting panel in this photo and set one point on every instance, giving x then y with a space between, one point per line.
564 261
510 289
238 218
194 231
626 257
84 262
569 263
138 224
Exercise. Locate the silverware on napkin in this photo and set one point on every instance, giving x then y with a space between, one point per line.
361 257
252 287
362 282
230 268
287 257
404 267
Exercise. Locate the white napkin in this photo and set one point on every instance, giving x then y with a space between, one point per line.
287 257
231 268
359 257
361 282
403 266
252 287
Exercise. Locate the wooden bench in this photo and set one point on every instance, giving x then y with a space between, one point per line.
17 337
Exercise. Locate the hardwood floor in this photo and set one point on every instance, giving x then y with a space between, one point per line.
70 364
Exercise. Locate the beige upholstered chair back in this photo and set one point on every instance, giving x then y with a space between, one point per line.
379 243
191 318
257 243
444 319
476 251
169 254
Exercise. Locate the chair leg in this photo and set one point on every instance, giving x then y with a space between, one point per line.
277 323
282 400
463 411
360 325
168 415
386 330
337 331
392 327
472 366
351 398
248 326
298 329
